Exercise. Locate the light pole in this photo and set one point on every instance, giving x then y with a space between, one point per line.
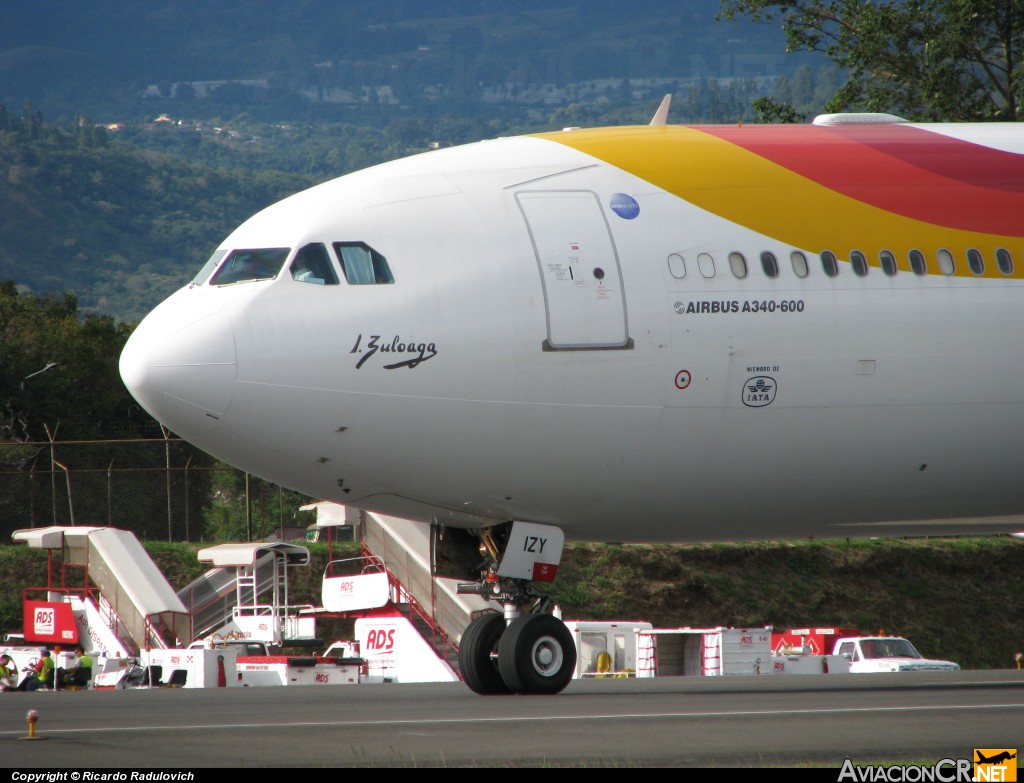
47 368
53 473
53 461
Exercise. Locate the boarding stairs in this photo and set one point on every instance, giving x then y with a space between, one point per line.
212 598
440 643
403 550
245 595
124 598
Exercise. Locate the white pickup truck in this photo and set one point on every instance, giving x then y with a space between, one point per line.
886 654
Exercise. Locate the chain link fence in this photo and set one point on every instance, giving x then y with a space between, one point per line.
158 488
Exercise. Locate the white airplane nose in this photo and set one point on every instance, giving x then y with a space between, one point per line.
183 374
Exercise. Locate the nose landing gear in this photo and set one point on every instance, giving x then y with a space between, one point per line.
526 650
534 654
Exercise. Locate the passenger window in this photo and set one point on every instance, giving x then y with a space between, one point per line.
799 261
677 266
946 265
706 264
738 264
917 263
1005 261
209 266
888 261
859 263
246 265
828 263
976 261
362 265
313 265
769 264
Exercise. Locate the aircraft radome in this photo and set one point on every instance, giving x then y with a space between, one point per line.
650 333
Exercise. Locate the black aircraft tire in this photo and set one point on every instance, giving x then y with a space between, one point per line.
479 670
536 654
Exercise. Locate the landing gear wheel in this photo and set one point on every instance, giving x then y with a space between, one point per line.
536 654
479 669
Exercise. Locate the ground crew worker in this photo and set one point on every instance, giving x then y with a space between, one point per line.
8 673
40 675
83 664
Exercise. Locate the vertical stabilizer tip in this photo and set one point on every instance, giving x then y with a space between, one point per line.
661 115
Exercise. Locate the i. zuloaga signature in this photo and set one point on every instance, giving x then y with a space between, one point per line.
421 351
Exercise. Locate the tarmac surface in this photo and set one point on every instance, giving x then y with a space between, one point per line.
667 722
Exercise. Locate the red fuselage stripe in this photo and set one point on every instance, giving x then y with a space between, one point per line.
904 170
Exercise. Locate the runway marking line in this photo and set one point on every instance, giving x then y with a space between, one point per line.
523 719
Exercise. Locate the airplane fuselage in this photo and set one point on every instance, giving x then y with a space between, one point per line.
634 334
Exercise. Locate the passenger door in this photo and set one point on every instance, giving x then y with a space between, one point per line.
579 269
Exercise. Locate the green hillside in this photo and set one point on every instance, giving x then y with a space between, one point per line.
340 62
119 226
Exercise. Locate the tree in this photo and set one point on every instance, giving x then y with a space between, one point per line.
921 59
270 507
802 86
74 446
770 110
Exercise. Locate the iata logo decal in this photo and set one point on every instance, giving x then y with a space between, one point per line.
417 352
759 391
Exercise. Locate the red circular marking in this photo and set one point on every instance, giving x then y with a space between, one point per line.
682 379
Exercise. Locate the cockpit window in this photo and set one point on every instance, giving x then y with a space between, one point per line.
245 265
362 265
313 265
209 266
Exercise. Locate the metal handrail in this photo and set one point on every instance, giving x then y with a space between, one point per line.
374 560
416 608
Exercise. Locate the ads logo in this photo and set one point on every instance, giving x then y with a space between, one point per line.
381 640
43 622
995 764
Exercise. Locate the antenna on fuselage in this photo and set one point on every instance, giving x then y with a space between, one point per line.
661 115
